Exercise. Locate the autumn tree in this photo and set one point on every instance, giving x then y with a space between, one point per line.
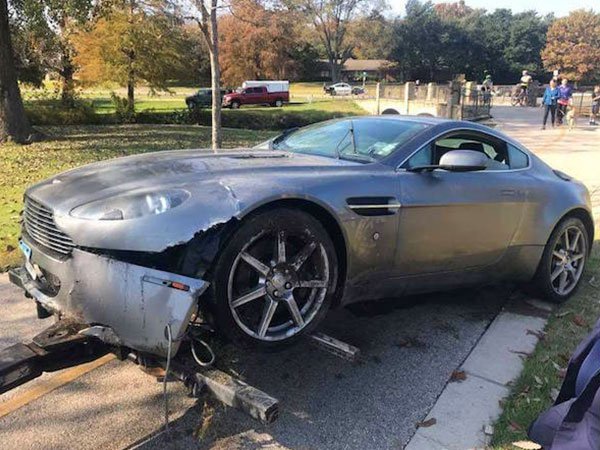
131 45
573 46
258 43
13 122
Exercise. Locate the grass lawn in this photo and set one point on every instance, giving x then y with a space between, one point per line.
301 95
541 377
72 146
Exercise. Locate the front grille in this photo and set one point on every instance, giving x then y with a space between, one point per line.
38 223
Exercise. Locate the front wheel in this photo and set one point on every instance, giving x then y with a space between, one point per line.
563 261
235 105
274 280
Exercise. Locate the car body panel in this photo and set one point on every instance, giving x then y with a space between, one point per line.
133 302
436 230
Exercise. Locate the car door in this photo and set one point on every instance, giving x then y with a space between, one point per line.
454 221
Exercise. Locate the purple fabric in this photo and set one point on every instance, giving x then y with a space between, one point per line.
565 92
573 423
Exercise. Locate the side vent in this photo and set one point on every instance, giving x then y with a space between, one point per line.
373 206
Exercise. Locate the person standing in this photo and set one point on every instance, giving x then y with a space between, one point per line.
549 101
565 92
595 105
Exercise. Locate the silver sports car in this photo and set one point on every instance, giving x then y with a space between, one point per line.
262 242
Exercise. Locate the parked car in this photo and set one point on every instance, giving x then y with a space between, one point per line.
344 89
273 93
262 243
202 98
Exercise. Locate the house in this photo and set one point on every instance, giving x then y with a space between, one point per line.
356 69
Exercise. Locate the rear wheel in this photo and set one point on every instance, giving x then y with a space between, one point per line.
563 261
274 280
278 103
235 105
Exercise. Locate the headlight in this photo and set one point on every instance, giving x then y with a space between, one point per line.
131 206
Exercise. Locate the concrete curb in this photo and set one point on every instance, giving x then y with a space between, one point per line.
463 409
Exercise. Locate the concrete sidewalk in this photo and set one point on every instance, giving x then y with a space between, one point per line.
466 407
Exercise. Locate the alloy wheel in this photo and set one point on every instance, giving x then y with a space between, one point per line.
277 284
568 260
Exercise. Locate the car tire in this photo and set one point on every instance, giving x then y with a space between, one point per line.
560 271
278 103
235 105
277 283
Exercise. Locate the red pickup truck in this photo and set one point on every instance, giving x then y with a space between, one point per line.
255 96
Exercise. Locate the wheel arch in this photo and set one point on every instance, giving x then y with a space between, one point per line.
583 215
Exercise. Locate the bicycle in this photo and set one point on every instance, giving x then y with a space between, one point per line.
519 98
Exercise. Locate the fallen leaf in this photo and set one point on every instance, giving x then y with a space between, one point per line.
488 430
563 314
537 379
578 320
427 423
10 248
593 282
562 373
554 394
556 366
527 445
458 376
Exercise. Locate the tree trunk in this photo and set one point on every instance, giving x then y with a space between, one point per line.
215 74
131 90
13 121
67 84
333 64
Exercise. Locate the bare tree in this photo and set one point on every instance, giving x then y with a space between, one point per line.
331 19
13 121
208 25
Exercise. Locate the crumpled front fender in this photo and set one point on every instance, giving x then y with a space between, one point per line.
136 303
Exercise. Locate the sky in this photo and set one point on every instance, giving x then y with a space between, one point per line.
558 7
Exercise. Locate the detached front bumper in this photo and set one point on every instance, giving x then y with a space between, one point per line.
124 304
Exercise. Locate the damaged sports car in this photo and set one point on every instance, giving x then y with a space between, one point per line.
261 243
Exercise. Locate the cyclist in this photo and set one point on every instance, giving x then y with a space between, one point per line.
525 82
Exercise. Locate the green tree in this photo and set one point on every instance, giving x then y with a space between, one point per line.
372 36
331 21
48 26
526 39
573 46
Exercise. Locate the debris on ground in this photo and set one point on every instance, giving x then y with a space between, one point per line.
538 334
488 430
458 376
426 423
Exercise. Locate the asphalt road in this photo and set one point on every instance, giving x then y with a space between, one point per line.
410 348
326 402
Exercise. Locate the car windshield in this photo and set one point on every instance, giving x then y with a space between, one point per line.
366 140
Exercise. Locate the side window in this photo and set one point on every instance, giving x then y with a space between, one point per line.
494 149
422 158
516 158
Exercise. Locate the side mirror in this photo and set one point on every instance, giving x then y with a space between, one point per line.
463 161
457 161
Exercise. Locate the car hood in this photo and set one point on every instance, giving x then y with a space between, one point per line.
153 171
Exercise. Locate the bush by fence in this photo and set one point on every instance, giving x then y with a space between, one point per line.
54 113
